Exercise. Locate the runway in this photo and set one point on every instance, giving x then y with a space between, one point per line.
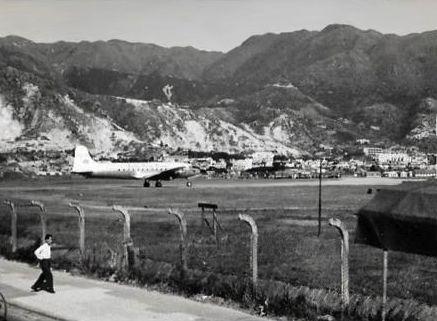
67 184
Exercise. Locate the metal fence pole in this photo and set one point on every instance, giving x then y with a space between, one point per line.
339 225
81 227
127 240
254 252
183 239
13 225
384 284
43 216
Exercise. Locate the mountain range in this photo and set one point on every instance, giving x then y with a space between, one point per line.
295 92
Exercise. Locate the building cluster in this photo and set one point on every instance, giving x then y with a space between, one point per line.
374 162
395 162
31 163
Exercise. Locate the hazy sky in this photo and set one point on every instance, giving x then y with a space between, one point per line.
204 24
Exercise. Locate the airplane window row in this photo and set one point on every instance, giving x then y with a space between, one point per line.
138 169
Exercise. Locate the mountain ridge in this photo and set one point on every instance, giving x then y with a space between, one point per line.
324 87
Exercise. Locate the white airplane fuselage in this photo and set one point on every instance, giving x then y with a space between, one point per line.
84 165
130 170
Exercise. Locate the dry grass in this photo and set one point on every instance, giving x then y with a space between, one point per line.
292 259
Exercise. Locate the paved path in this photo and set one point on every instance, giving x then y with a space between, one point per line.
16 313
83 299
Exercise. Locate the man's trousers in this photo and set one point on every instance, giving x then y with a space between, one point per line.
45 280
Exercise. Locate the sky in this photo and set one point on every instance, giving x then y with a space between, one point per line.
204 24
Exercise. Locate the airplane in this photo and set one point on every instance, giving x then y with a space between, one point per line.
84 165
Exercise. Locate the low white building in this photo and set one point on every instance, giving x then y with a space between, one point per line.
242 164
363 141
262 158
391 174
390 158
425 173
371 151
404 174
221 163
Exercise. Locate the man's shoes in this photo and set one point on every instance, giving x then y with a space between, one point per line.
35 289
50 290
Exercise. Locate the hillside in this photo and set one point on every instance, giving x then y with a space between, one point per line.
38 118
291 92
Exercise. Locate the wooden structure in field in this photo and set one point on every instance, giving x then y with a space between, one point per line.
212 223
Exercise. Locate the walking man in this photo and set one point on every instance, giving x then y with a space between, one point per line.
45 280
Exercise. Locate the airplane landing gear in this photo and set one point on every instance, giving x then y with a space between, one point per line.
158 184
146 183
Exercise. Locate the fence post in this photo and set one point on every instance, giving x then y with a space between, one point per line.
182 244
81 227
254 252
384 283
344 259
127 240
13 225
43 216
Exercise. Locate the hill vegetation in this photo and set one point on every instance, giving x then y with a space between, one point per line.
299 89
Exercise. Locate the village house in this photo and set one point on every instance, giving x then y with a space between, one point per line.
425 173
263 158
392 158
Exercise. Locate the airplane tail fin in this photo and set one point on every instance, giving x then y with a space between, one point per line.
82 160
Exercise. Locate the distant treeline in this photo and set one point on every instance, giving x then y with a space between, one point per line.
215 155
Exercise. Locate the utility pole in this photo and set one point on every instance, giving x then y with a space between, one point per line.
436 124
320 199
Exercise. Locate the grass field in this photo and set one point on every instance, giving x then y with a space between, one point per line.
285 212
